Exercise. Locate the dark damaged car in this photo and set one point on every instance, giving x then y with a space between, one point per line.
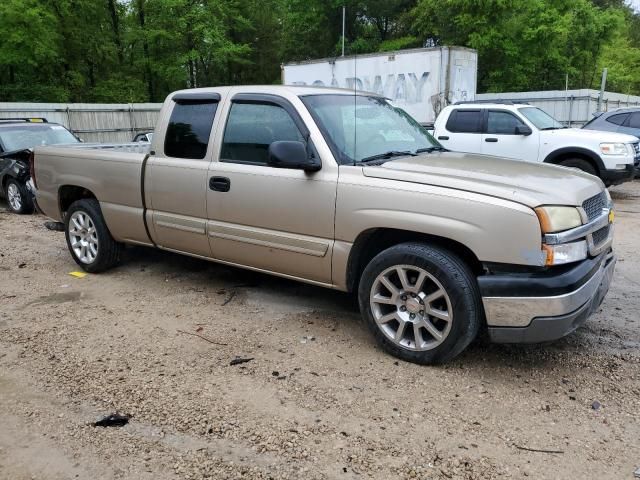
18 137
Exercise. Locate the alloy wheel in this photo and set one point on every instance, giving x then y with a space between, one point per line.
411 307
14 197
83 237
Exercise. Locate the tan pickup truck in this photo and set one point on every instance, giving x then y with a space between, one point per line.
346 192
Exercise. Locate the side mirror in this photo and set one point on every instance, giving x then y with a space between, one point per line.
523 130
290 154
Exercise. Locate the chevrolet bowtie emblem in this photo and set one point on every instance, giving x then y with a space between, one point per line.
612 216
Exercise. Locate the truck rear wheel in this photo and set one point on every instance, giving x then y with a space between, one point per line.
88 238
421 302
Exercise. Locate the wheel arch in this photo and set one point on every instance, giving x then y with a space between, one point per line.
67 194
374 240
556 157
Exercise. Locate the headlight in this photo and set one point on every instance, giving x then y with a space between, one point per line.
613 148
564 253
556 219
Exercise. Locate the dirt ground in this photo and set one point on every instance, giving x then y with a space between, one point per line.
317 400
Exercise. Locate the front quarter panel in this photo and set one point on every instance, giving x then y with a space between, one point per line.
495 230
556 143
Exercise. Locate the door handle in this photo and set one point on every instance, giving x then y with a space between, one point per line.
220 184
491 140
443 137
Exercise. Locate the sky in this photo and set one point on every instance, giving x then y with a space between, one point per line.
635 4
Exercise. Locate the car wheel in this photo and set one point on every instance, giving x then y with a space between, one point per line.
421 302
580 164
88 238
18 198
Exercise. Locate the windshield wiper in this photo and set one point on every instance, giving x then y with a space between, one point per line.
435 148
387 155
552 128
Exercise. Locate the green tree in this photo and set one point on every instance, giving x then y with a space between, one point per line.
30 44
523 45
311 29
621 57
140 50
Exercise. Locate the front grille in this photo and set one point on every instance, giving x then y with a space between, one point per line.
601 235
593 206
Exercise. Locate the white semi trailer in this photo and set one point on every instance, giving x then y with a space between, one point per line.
421 81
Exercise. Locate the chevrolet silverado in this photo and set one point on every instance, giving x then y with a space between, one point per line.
345 191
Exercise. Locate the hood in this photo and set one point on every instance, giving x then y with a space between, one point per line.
19 154
531 184
589 135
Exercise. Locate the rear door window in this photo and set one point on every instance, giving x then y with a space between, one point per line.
189 129
252 128
617 119
465 121
634 121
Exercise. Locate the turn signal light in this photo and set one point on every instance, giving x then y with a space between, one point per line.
564 253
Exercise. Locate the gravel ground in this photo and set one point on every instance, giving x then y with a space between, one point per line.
317 400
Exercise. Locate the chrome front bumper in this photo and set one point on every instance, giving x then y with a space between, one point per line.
529 319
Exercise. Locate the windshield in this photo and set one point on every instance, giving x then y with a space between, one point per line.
19 137
360 127
541 119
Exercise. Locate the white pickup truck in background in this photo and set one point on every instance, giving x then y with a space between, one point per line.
523 132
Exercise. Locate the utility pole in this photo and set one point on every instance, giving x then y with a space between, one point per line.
602 85
566 99
344 11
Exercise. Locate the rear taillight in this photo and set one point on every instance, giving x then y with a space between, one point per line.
32 169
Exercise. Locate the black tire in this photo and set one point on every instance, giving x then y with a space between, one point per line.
454 277
25 201
108 251
580 164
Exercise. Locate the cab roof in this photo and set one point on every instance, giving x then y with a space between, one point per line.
491 104
24 121
298 90
622 110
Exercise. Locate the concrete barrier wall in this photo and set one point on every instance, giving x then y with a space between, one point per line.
93 122
571 107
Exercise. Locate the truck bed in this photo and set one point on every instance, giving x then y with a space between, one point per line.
113 173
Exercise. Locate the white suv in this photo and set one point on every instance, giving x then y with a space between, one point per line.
524 132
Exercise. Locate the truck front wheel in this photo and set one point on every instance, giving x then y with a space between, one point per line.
88 238
421 302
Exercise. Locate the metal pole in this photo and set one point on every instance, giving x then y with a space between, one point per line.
344 10
566 97
132 119
571 109
602 85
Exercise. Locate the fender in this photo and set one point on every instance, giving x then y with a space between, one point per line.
561 152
